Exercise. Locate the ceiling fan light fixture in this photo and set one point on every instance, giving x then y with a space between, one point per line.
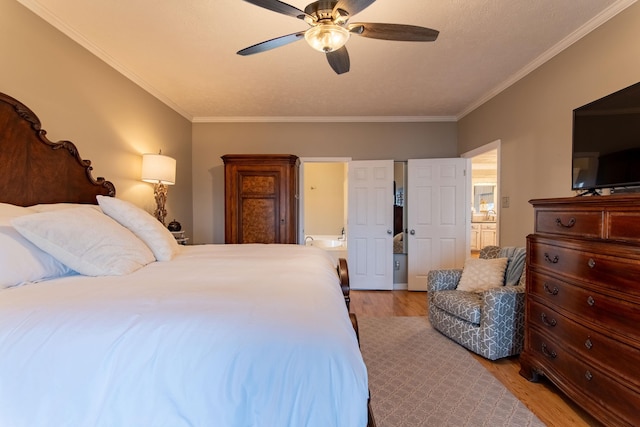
326 37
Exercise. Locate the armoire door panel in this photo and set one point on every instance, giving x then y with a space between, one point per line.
257 184
259 220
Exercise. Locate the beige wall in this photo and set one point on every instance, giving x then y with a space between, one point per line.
79 98
113 121
533 118
324 193
360 141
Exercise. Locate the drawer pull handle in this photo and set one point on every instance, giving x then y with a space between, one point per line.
571 223
591 263
591 301
549 353
550 291
553 260
551 323
588 375
588 343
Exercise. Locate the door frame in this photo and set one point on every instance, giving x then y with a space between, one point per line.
494 145
304 160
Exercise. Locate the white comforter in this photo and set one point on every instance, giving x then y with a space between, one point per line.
223 335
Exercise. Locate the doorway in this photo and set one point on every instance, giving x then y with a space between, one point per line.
441 205
324 205
485 189
323 198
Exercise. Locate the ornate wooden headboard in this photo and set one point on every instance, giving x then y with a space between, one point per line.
35 170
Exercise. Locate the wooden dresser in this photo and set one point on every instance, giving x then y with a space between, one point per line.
583 303
261 198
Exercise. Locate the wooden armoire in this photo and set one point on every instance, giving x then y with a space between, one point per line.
261 198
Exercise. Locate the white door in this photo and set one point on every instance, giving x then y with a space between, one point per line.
437 217
370 224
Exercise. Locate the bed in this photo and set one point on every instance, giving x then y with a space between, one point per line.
106 321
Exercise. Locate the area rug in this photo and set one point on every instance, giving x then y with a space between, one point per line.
418 377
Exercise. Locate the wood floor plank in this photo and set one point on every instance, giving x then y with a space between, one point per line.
542 398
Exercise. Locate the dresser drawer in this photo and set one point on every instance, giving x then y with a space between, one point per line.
602 265
584 305
585 342
576 376
570 223
624 226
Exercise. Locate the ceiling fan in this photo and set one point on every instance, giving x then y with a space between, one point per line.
330 29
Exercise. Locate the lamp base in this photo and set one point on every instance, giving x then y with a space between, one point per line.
160 193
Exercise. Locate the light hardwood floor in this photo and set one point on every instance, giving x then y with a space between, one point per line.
542 398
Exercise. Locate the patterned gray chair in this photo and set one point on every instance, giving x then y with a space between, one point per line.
489 323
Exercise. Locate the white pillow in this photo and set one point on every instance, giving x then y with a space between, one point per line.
11 211
148 229
22 262
48 207
481 274
86 241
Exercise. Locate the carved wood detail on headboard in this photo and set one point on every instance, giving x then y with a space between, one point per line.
35 170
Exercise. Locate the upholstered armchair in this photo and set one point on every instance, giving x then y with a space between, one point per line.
488 322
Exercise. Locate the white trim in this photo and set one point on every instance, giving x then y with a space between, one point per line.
400 286
494 145
51 18
483 149
613 10
326 119
563 44
325 159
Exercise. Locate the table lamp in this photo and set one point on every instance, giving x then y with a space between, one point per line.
159 170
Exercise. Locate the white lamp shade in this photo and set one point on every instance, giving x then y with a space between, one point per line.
157 168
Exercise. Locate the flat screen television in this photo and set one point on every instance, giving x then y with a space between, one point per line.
606 142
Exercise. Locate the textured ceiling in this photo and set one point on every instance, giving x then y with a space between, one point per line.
184 53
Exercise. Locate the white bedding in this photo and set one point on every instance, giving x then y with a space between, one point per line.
222 335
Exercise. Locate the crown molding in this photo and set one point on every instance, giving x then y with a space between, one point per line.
578 34
52 19
326 119
585 29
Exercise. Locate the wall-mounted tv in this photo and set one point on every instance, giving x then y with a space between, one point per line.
606 142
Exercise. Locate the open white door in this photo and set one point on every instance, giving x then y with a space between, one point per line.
370 224
437 215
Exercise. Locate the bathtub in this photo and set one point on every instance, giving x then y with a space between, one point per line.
336 245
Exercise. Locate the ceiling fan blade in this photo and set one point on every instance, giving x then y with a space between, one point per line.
398 32
280 7
271 44
339 60
352 6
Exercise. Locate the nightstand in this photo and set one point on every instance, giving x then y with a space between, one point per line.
179 236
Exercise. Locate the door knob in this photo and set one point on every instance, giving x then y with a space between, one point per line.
389 231
412 232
